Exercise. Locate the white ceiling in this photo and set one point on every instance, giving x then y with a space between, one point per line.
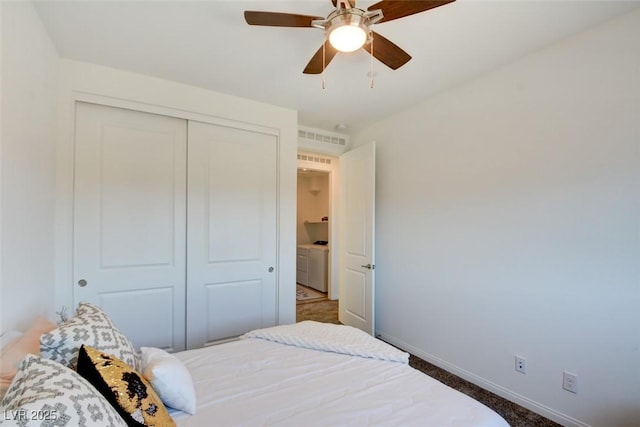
208 44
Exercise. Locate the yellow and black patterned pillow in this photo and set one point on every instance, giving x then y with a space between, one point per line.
125 388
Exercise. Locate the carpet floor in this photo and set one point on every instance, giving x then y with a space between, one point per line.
327 311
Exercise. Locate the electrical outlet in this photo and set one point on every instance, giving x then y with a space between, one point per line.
570 382
521 364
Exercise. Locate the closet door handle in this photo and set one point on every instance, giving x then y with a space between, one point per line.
82 283
368 266
270 269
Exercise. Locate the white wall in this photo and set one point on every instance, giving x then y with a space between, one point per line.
313 205
29 75
508 223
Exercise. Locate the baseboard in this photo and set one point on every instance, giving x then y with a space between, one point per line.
510 395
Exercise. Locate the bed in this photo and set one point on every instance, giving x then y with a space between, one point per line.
309 374
254 382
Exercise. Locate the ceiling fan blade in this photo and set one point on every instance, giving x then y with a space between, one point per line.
276 19
387 52
315 65
394 9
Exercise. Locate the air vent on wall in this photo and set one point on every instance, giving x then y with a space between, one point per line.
318 140
315 159
318 137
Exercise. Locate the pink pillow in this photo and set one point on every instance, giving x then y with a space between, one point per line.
16 350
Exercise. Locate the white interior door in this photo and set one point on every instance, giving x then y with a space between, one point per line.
232 232
357 252
129 221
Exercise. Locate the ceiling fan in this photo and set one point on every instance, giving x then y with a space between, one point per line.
347 29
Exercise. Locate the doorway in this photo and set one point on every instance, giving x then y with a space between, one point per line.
314 297
351 229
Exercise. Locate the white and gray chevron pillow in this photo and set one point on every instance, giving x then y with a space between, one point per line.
91 326
46 393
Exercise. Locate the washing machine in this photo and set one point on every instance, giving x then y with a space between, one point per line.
311 267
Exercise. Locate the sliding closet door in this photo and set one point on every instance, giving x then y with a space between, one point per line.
231 252
129 221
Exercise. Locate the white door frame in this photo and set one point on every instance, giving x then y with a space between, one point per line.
334 241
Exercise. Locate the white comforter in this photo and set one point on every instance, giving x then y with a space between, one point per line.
255 382
329 337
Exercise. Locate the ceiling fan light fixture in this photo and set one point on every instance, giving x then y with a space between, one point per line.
348 32
347 38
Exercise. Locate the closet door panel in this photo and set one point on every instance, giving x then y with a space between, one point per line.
232 232
129 221
150 323
234 308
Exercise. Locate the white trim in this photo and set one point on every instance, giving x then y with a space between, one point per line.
510 395
171 112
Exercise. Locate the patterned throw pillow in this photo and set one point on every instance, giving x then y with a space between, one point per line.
45 393
91 326
126 389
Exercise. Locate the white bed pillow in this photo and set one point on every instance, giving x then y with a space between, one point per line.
45 392
170 379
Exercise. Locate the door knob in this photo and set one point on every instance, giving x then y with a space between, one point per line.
82 283
368 266
270 269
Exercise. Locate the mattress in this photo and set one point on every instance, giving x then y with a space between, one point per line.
255 382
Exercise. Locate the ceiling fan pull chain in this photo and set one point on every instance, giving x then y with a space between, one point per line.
323 62
371 69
